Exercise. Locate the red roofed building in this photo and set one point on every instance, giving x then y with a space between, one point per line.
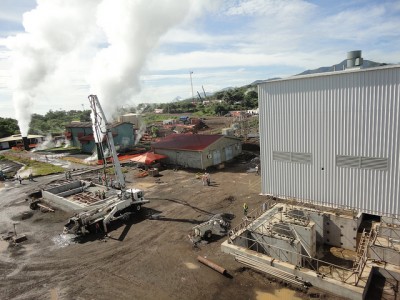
198 151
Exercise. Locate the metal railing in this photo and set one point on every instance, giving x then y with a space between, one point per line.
391 234
251 216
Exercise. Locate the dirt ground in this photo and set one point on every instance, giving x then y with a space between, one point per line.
143 258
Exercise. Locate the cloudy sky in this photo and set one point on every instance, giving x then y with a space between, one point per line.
53 53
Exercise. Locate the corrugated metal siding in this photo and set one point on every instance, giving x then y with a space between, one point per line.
125 135
353 113
191 159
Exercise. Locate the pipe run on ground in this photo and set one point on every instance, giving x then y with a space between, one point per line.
211 265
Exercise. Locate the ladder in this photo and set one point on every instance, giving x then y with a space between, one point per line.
361 257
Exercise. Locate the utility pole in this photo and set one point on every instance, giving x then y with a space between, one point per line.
191 84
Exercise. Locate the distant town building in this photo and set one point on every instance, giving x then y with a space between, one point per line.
197 150
333 139
81 135
159 111
169 122
238 113
252 111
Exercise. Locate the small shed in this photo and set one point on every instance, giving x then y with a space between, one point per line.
198 151
16 139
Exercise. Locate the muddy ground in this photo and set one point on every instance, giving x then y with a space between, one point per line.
143 258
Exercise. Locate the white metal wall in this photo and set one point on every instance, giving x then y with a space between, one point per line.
346 113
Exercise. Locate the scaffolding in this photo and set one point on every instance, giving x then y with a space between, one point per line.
238 236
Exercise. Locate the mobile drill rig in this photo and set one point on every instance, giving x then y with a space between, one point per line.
121 206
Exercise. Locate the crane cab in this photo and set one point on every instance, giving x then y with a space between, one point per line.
134 194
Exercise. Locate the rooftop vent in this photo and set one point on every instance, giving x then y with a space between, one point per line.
354 59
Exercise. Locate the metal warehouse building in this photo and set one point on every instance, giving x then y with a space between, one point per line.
333 139
198 151
81 135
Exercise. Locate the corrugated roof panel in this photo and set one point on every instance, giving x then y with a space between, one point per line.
195 142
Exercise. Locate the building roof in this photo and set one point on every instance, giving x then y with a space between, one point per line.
18 137
341 72
196 142
130 114
79 125
89 124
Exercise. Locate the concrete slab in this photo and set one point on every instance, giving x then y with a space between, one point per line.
331 285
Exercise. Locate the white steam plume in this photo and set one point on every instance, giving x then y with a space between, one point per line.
53 29
61 30
132 29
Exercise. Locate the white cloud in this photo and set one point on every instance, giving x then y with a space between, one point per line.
289 9
213 59
7 17
183 36
362 24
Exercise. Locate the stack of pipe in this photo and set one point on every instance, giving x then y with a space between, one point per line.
285 276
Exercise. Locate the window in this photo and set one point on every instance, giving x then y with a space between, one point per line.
293 157
361 162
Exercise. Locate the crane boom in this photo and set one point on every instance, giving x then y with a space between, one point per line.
120 206
102 128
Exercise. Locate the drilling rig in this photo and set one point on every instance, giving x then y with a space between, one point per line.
126 202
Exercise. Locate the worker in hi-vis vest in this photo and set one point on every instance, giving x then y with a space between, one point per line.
245 209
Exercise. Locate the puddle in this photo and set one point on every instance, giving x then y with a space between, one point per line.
54 294
3 246
191 266
278 294
63 240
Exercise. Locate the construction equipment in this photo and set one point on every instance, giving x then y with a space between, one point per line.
99 216
218 225
125 203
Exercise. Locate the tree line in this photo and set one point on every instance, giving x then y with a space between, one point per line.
53 122
221 102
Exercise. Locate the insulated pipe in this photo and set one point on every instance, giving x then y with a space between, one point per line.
211 265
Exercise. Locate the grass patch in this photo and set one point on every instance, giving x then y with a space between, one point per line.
152 118
111 171
80 161
38 168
